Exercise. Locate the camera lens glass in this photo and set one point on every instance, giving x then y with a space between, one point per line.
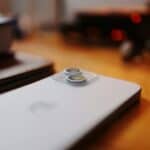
72 71
78 78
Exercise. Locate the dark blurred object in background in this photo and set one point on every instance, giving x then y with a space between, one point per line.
23 69
9 30
18 33
18 69
125 27
7 25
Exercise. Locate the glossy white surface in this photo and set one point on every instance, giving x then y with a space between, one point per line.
50 115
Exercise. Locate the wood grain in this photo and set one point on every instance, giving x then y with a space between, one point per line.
132 130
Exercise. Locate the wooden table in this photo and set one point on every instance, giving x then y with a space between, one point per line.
132 130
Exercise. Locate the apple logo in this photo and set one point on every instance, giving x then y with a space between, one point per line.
42 106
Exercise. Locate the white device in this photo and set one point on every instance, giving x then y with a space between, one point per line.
54 115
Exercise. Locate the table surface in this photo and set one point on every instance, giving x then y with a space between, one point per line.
131 131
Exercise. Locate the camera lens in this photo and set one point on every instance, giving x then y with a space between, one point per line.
72 71
78 78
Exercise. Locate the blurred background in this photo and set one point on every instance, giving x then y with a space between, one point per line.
52 11
121 22
110 37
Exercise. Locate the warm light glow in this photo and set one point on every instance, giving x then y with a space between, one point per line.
136 18
117 35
